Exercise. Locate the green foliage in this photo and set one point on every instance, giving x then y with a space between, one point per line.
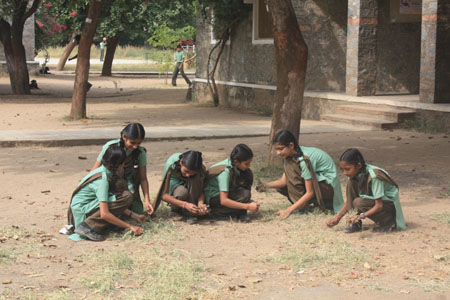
134 20
166 37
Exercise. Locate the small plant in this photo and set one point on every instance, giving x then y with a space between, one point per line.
443 217
6 256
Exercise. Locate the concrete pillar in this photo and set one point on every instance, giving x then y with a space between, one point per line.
361 67
435 52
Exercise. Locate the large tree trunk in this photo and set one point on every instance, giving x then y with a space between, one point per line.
109 57
11 37
291 55
65 55
78 109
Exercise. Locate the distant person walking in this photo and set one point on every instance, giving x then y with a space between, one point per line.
179 58
102 48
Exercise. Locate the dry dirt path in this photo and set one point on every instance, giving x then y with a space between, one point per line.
267 259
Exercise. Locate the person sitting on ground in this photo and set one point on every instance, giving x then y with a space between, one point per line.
372 193
182 186
135 170
228 186
310 177
101 199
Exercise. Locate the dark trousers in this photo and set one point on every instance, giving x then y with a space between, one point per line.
175 74
239 194
182 193
383 218
325 189
189 192
94 220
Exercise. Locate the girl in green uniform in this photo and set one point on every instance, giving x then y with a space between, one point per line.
101 198
182 186
227 189
310 176
135 170
372 193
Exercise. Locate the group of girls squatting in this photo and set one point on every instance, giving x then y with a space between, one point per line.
109 197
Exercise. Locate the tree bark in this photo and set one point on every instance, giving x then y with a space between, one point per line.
65 55
109 57
211 75
11 37
291 55
78 109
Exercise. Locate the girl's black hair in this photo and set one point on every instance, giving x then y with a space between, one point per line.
353 156
241 152
133 131
192 160
114 156
285 137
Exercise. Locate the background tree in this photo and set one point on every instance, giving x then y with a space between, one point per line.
291 55
59 22
223 16
13 15
78 108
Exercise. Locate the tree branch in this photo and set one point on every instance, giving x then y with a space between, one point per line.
32 10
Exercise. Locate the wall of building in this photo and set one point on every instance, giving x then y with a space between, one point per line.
323 24
398 53
28 40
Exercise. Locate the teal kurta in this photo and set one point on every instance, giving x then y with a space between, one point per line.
221 182
142 161
179 56
385 191
325 170
89 197
174 179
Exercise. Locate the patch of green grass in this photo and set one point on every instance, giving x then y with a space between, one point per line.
144 67
6 256
14 232
324 251
431 285
375 286
443 217
148 273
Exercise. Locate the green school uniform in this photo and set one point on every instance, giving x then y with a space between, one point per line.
220 182
129 171
325 170
379 188
88 198
174 179
141 159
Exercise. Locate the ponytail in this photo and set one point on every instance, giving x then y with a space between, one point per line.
114 156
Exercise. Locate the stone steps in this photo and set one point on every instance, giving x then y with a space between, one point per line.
372 115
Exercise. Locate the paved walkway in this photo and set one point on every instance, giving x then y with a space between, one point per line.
94 136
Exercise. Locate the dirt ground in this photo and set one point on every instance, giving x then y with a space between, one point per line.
297 258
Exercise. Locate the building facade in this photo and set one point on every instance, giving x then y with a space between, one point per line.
357 47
